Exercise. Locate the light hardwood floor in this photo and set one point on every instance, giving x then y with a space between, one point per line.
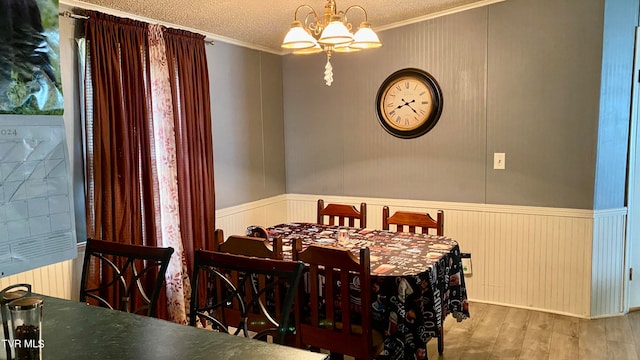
498 332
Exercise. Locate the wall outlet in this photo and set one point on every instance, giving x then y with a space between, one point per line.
466 266
498 161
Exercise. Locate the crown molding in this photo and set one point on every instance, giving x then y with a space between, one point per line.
211 37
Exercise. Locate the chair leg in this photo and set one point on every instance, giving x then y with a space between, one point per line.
441 341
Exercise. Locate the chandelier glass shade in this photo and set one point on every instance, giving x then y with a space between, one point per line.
329 33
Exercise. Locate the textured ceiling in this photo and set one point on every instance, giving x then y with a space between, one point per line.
262 24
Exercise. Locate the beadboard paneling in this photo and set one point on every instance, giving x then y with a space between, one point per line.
528 257
266 212
533 258
53 280
608 262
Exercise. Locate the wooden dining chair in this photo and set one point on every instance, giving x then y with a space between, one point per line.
406 221
257 319
341 214
239 285
249 245
131 276
330 323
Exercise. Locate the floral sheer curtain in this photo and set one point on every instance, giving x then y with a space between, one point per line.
141 187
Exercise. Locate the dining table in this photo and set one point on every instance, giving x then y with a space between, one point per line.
75 330
417 280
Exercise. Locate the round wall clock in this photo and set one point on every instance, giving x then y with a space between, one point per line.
409 103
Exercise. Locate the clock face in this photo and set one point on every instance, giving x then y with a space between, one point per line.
409 103
406 103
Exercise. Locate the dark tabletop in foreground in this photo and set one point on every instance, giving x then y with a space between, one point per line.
73 330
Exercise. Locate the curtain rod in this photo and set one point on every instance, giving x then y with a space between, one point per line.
71 15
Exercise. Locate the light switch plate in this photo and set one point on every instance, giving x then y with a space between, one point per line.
498 161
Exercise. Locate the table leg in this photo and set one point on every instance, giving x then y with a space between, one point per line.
441 341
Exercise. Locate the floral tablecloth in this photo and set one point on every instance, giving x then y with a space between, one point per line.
417 281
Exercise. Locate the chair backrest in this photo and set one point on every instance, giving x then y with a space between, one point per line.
332 278
131 276
250 246
406 221
238 285
342 213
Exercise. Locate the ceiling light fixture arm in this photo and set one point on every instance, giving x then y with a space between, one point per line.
314 25
344 16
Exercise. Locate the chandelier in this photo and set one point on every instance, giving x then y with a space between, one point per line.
329 33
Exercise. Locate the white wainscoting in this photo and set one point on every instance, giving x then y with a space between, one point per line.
608 268
565 261
53 280
265 212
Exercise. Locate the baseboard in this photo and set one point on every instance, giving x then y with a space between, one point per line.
548 311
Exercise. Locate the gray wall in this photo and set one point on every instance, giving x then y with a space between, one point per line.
335 144
542 110
520 77
248 136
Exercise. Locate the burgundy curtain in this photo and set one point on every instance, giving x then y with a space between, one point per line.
189 75
120 171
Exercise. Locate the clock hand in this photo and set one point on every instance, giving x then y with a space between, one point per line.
400 106
406 103
412 109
